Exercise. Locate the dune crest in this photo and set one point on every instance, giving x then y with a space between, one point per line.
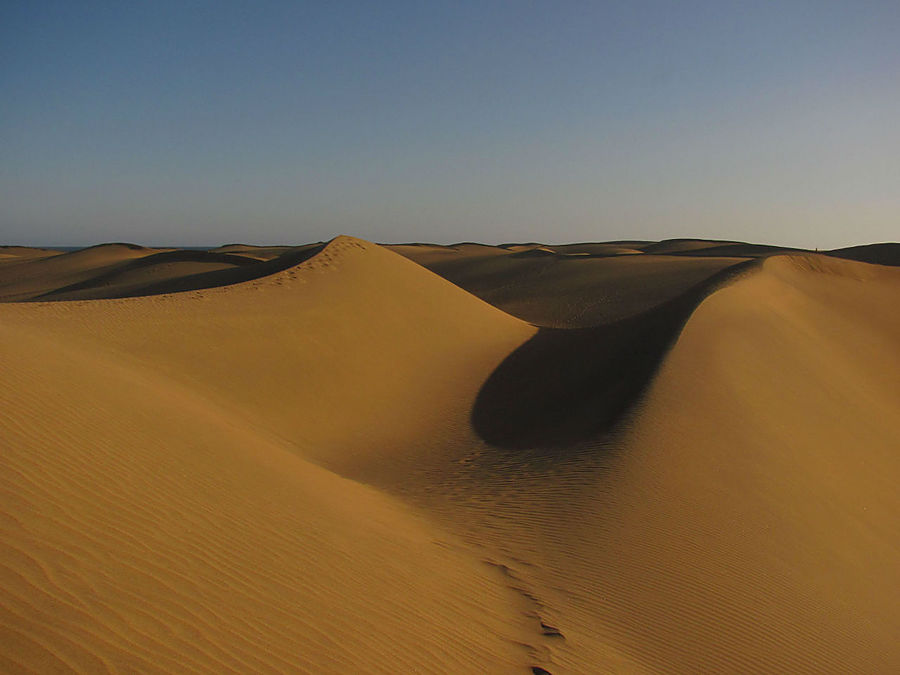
743 518
170 514
327 458
764 462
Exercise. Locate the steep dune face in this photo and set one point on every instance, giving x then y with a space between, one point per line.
339 355
160 509
745 519
564 386
756 506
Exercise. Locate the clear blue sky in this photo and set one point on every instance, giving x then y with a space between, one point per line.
194 122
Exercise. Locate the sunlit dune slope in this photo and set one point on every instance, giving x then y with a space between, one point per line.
753 515
147 530
357 336
329 459
745 518
160 510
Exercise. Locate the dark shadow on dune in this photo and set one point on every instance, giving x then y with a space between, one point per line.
878 254
243 269
564 386
735 250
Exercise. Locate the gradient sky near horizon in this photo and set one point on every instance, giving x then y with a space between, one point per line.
199 123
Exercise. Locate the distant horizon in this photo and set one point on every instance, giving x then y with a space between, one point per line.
202 247
400 121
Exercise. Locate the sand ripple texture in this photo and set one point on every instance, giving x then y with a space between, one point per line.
329 459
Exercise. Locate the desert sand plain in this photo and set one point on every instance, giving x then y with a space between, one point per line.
650 457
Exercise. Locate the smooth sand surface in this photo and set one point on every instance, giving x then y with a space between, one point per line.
26 274
639 457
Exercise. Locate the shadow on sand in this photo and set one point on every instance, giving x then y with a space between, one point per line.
565 386
243 269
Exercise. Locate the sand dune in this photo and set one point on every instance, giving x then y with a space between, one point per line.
258 252
755 499
141 276
744 518
672 457
22 253
880 254
170 514
570 290
27 277
149 530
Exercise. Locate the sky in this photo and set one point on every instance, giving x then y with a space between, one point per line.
199 122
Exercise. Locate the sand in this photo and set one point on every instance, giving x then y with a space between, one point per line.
614 457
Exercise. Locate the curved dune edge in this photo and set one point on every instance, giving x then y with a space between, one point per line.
281 475
326 353
744 519
764 464
165 504
126 270
566 386
142 276
37 271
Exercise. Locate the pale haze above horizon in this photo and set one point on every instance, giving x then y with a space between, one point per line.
202 123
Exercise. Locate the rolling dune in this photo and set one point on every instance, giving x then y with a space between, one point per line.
27 275
571 290
744 517
639 457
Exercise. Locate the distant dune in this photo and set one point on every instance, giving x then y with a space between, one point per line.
343 457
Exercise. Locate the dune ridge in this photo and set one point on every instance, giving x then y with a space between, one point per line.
328 458
565 386
174 531
743 517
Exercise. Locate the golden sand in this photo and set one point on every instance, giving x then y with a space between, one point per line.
625 457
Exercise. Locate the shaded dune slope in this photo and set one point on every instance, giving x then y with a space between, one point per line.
133 276
879 254
570 290
176 271
23 278
565 386
743 517
258 252
583 285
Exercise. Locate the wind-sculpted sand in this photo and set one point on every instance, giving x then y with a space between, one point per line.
615 457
